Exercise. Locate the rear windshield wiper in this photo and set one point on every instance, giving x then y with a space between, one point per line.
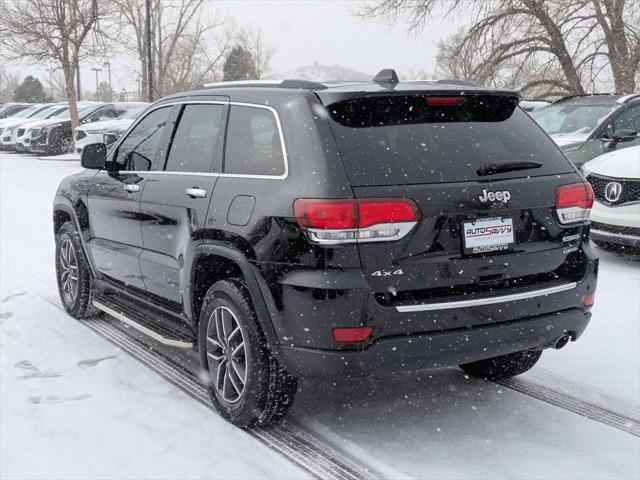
493 168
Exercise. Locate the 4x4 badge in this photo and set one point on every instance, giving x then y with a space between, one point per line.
501 196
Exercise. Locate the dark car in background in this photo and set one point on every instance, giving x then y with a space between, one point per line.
57 137
586 126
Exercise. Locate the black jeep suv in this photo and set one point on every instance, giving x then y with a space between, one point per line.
293 228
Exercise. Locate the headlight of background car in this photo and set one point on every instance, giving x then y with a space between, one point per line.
95 132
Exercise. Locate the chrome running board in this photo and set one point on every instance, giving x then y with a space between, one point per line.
141 328
476 302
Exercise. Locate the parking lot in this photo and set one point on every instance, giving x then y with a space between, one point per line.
83 407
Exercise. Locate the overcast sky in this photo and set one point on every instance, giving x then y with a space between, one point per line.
308 31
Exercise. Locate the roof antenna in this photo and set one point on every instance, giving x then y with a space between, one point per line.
388 75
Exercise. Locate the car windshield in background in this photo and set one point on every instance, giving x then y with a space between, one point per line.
66 115
132 112
402 140
28 112
567 119
48 111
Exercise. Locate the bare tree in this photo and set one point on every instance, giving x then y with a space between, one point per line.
60 30
186 49
56 85
261 52
581 40
460 59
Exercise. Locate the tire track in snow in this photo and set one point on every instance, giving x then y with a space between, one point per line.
287 439
619 418
622 420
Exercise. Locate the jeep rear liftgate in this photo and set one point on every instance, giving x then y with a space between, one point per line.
459 162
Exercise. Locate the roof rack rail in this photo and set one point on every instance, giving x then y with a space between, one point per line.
454 81
289 83
578 95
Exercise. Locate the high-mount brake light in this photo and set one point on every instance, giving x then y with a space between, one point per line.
336 221
444 100
573 202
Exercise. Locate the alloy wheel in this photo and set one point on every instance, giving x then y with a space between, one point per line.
226 354
67 145
68 263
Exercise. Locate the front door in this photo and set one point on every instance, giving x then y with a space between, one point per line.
175 201
114 202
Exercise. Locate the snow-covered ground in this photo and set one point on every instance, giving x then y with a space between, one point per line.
74 406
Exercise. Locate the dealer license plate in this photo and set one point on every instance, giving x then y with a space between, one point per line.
488 235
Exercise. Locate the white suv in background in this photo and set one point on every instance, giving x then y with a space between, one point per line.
93 132
19 126
615 216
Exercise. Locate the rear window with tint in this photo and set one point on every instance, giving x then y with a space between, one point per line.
402 140
253 143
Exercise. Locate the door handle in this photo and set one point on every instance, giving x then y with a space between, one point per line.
195 192
130 187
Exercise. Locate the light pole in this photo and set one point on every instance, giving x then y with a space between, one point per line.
147 33
97 70
108 65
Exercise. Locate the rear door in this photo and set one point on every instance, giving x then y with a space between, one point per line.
175 200
484 176
114 201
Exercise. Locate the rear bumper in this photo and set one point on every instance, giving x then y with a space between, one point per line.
439 349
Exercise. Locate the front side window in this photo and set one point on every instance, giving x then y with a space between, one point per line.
140 150
197 138
253 143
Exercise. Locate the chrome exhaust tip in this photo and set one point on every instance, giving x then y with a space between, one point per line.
562 341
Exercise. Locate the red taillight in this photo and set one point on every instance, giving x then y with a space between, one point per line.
352 334
588 299
573 202
444 100
373 211
353 220
574 195
326 213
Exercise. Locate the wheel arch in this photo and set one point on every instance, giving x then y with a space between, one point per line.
63 211
213 262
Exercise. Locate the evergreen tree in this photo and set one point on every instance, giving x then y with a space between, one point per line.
30 91
239 65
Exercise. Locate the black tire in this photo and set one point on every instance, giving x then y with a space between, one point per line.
78 305
268 390
505 366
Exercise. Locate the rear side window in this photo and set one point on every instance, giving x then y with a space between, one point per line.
402 140
197 139
139 151
253 144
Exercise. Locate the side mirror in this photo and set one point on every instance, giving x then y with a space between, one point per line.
624 135
94 156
